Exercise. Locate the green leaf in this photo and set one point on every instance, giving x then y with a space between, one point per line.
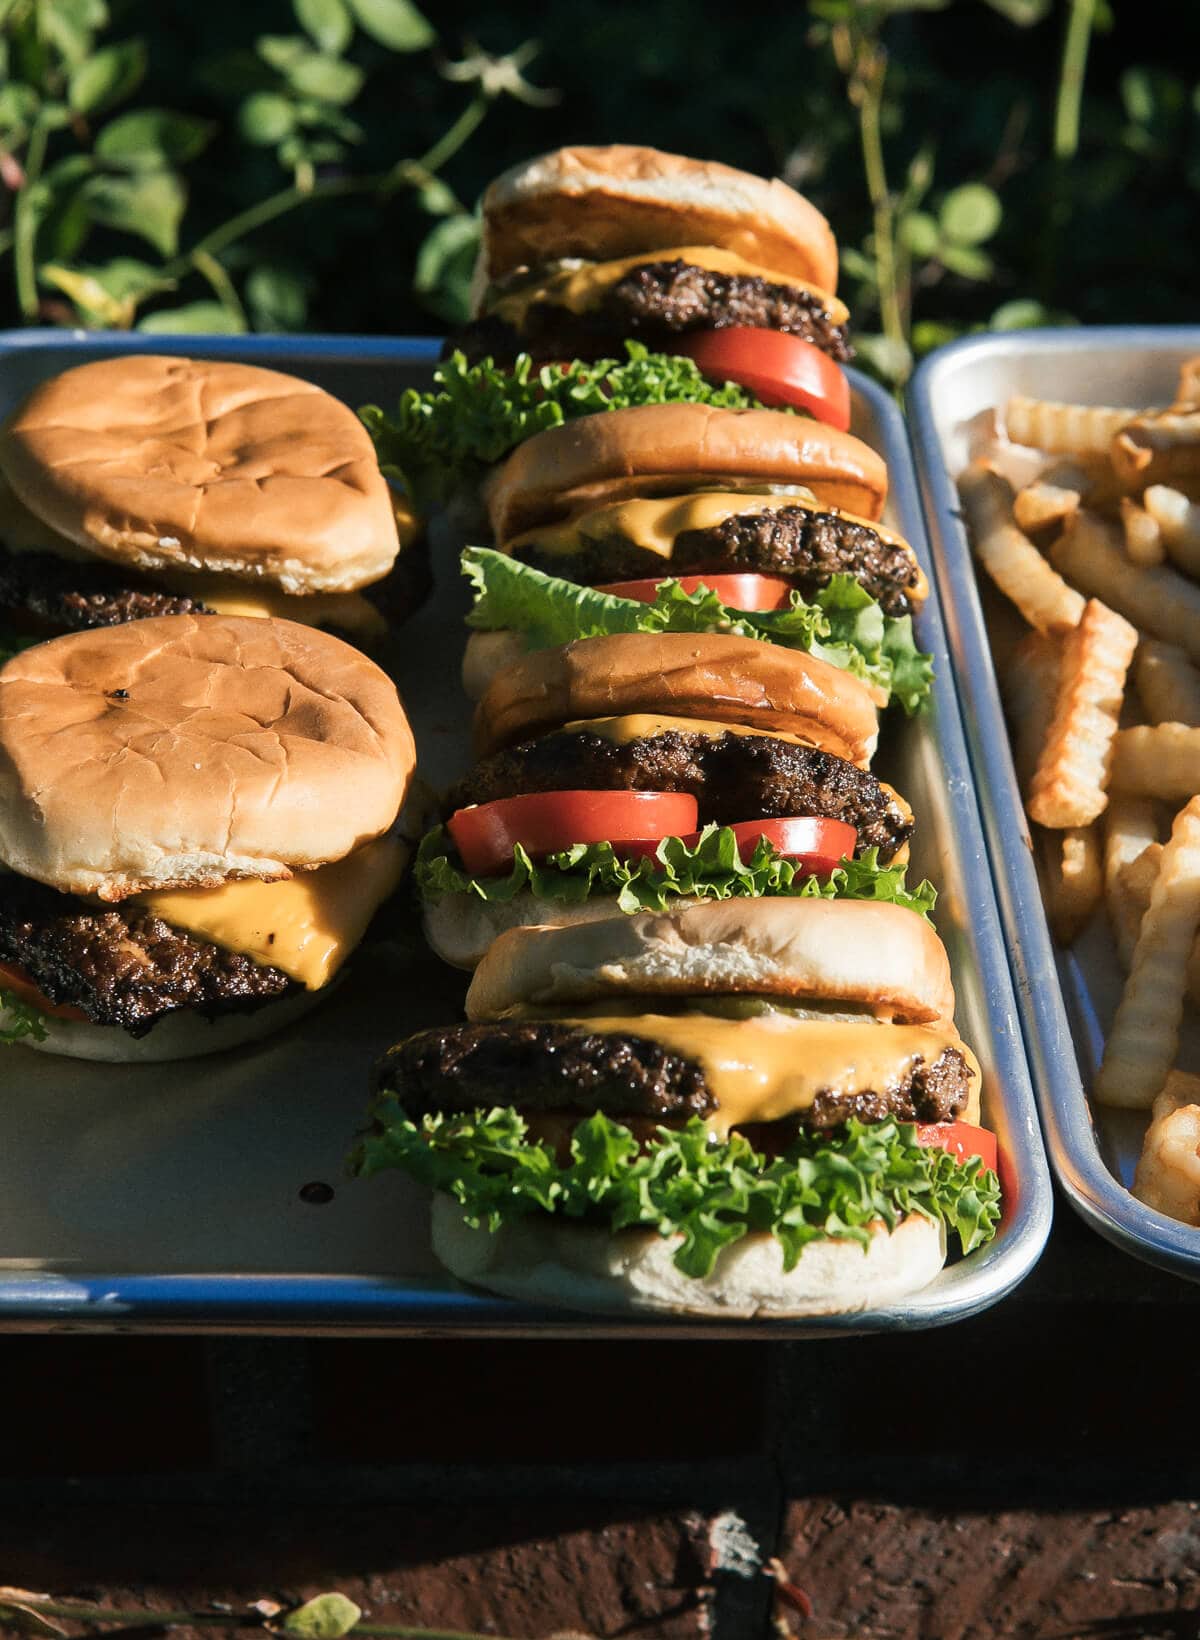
327 21
324 1617
107 77
108 297
18 105
18 1020
282 51
920 233
396 24
149 204
970 214
888 356
150 139
967 262
445 263
277 298
329 78
1022 12
69 26
711 868
835 1185
193 318
266 117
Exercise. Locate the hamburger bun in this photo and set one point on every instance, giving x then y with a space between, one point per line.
657 449
869 955
461 927
707 675
164 463
604 203
189 751
543 1261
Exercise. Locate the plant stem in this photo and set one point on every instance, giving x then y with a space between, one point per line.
25 224
866 93
1071 76
464 127
235 1620
223 287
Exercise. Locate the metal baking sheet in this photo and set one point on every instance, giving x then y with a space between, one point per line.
173 1196
1067 997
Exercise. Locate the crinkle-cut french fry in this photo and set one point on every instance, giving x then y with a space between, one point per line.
1030 686
1143 537
1042 506
1063 429
1135 883
1168 685
1158 447
1159 601
1009 557
1167 1177
1178 520
1187 394
1130 828
1163 761
1144 1039
1068 785
1072 879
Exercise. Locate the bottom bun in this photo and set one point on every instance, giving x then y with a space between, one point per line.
584 1268
182 1035
460 927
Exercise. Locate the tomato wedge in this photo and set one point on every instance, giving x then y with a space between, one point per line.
816 844
544 822
735 591
23 988
962 1139
776 367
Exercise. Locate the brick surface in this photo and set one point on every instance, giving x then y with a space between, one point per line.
875 1571
529 1571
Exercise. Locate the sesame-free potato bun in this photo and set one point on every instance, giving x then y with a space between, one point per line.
189 751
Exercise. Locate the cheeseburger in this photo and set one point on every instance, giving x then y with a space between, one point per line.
140 486
197 823
586 247
753 1108
635 769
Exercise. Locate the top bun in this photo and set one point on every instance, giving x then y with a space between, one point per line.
189 750
656 449
603 203
164 463
866 954
709 675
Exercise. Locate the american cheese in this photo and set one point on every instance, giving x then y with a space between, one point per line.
652 524
619 731
306 926
581 287
761 1070
228 595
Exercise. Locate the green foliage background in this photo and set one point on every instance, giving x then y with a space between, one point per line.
313 164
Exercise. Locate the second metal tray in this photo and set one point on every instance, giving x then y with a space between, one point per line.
1066 997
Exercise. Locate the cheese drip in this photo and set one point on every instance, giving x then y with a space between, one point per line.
619 731
764 1069
306 926
653 524
580 287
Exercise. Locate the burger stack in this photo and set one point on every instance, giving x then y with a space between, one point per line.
709 1063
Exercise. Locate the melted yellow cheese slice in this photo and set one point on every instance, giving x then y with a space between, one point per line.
619 731
580 288
306 926
228 595
761 1070
653 524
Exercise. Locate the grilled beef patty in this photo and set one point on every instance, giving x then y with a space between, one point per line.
733 777
67 595
547 1068
655 302
796 541
121 964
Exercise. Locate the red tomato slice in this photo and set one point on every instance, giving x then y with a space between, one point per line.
735 591
776 367
962 1139
23 988
543 822
816 844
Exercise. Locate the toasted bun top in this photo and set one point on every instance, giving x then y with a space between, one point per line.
653 449
163 463
189 750
602 203
864 953
707 675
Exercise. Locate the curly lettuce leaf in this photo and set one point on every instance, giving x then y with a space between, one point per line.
842 625
441 441
682 1183
19 1020
710 869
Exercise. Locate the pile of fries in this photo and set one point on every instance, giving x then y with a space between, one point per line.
1100 553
